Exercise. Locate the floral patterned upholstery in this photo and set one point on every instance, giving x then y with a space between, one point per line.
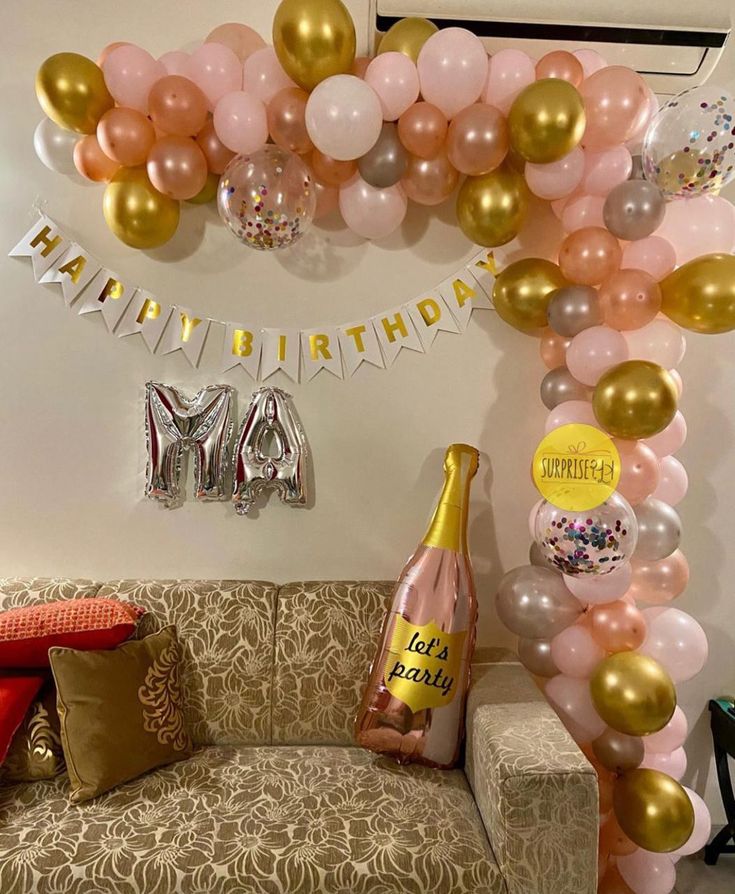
19 591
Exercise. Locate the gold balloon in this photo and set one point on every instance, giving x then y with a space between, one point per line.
653 810
492 209
700 295
314 39
633 693
546 120
635 399
523 290
208 193
136 212
72 92
408 37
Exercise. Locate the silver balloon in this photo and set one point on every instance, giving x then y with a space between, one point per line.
536 557
534 603
559 385
634 209
619 752
659 530
636 172
535 655
385 164
175 423
55 146
574 308
270 451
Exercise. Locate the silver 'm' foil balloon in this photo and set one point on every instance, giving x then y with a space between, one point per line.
174 423
634 209
280 464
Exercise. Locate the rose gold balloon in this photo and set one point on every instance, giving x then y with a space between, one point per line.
613 883
125 136
477 140
658 582
360 66
614 840
177 106
606 783
553 348
287 120
91 161
423 129
330 171
589 256
327 199
560 64
629 299
109 48
618 626
639 471
430 181
241 39
614 98
177 167
218 156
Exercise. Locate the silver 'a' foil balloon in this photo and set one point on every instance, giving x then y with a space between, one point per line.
259 464
175 423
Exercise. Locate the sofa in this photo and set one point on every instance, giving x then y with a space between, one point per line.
276 798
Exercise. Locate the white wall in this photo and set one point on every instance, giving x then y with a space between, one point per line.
71 420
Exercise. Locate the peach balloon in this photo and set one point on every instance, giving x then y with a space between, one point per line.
423 129
589 256
327 199
177 167
177 106
653 254
241 39
330 171
614 840
606 783
430 181
287 120
477 140
91 161
560 64
629 299
659 582
582 211
218 156
553 348
612 882
639 472
618 626
125 136
614 99
360 66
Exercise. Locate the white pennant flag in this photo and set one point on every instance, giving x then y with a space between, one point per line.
462 293
241 347
484 269
281 350
185 332
359 344
430 315
320 350
395 331
107 294
73 270
43 244
147 315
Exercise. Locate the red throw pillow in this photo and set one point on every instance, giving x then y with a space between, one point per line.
16 696
26 634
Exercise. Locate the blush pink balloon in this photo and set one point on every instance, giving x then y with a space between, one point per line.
174 62
575 652
661 341
673 763
263 75
568 412
591 61
639 471
589 256
605 169
216 70
673 483
659 581
599 590
618 626
672 736
678 381
105 52
646 113
629 299
698 226
394 77
558 178
594 351
130 72
702 827
241 39
241 122
654 254
582 211
371 212
553 349
647 873
676 641
452 68
570 698
613 99
509 72
671 438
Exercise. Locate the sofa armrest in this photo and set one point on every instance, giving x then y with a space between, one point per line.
536 792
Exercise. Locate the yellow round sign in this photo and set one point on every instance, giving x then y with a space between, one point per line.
576 467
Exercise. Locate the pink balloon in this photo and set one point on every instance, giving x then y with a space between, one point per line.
571 699
671 737
673 483
216 70
676 641
575 652
671 438
557 179
452 68
594 351
598 590
639 471
344 117
661 580
645 115
240 121
702 827
673 763
613 99
582 211
174 62
579 411
591 61
509 72
532 518
605 169
654 254
263 75
371 212
393 76
130 72
648 873
678 381
698 226
241 39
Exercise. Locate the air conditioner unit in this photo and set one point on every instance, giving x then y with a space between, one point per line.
675 43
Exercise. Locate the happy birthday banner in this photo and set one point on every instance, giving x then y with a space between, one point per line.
128 309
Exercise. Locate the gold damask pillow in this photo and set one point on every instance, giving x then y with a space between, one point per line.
120 711
35 752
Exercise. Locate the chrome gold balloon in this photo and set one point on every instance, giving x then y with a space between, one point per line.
700 295
635 399
523 290
633 693
72 92
136 212
314 39
492 209
408 37
653 810
546 120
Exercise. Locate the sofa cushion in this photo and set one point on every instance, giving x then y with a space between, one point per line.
268 820
326 637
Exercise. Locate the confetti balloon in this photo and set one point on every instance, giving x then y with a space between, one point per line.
689 146
596 541
267 199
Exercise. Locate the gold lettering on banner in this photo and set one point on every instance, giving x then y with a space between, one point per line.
356 333
149 310
242 343
430 311
113 288
74 267
188 325
489 264
397 325
319 345
463 292
282 348
49 244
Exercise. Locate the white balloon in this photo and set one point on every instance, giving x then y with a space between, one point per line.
55 146
344 117
660 341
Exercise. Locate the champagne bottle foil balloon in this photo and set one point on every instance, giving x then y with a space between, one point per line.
413 707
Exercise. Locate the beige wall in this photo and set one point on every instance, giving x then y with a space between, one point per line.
71 424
